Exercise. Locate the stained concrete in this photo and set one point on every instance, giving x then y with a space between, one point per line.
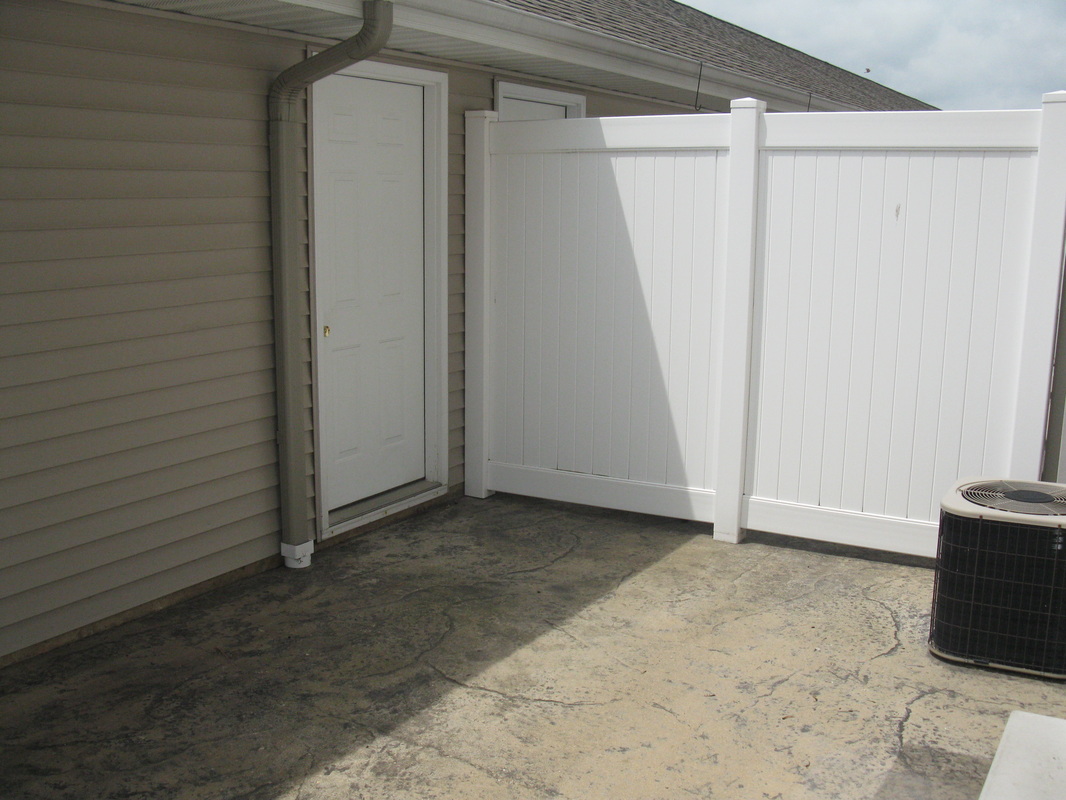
513 648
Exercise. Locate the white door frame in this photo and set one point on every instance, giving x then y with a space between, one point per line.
435 115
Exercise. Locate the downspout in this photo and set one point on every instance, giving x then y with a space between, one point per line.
286 204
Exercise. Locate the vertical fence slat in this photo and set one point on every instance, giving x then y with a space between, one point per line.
642 358
934 330
957 312
679 343
886 314
569 200
915 211
603 327
659 424
864 315
771 283
795 280
1010 305
551 213
511 281
532 308
983 330
586 300
624 323
820 337
841 322
703 234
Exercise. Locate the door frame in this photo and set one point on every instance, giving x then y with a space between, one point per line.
435 216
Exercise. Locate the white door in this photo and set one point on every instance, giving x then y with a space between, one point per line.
369 266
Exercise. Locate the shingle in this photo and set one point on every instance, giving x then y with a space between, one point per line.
679 30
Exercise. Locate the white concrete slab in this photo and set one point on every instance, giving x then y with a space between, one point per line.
1030 762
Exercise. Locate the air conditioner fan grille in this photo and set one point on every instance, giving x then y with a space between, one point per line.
1021 497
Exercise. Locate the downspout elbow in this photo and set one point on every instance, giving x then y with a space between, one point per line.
286 205
371 38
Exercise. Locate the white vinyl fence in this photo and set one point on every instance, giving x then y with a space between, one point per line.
809 324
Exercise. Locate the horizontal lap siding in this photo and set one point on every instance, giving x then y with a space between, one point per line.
137 453
890 323
136 346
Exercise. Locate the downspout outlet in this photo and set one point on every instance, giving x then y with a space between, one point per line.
297 556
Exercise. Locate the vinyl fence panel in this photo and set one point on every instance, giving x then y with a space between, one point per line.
890 307
811 324
604 272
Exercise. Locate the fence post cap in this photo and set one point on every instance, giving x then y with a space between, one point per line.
1055 97
748 102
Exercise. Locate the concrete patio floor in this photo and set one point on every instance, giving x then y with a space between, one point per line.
512 648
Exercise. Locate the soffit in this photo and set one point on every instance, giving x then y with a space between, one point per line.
500 37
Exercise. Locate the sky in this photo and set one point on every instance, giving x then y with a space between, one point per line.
954 54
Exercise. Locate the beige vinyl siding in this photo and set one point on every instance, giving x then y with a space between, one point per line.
136 344
137 451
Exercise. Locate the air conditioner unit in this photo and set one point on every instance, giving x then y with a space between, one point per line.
999 596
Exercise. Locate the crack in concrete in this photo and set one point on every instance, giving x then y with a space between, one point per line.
815 588
775 685
897 625
416 659
551 561
667 710
694 729
908 709
515 697
511 776
585 644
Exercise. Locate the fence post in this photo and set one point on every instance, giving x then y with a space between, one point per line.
1043 290
735 355
478 308
1053 136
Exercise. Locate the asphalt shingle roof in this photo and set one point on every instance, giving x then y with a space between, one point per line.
677 29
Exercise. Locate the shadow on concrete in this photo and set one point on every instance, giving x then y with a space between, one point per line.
933 773
842 550
247 691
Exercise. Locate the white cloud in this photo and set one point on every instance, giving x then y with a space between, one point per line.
951 53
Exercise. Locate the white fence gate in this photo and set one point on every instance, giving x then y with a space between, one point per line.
810 324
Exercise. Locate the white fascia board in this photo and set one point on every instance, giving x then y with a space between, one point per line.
494 25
